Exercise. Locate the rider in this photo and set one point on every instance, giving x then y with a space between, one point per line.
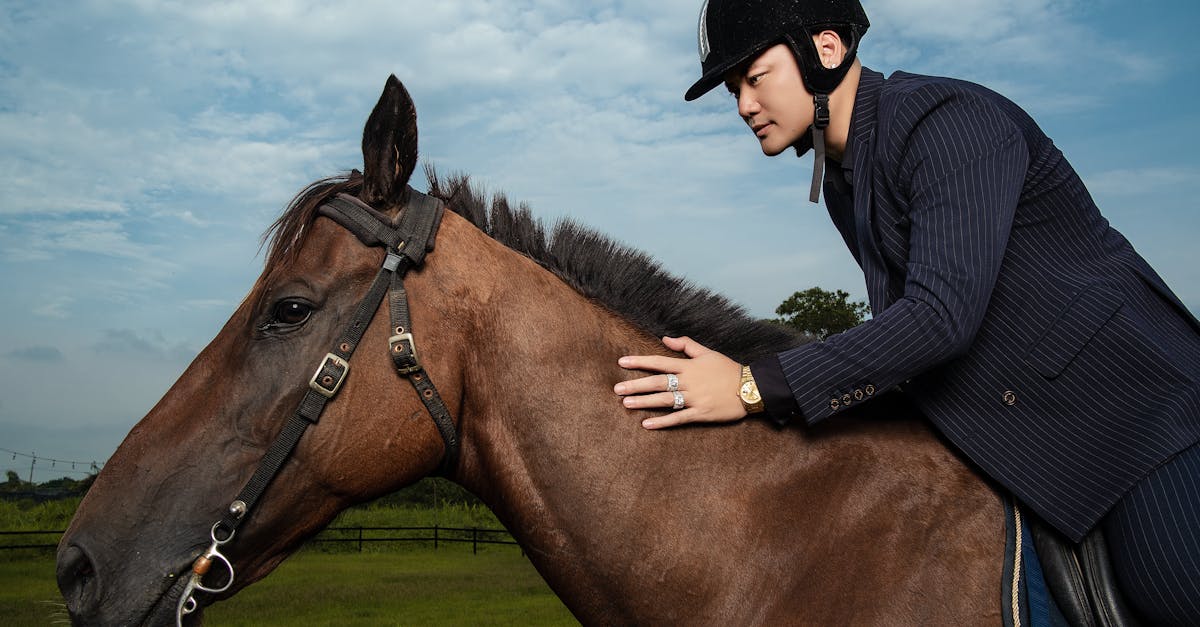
1026 329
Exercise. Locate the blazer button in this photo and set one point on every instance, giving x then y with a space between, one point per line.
845 399
858 394
1010 398
834 404
870 390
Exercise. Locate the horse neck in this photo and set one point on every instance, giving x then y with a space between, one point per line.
547 444
629 525
538 394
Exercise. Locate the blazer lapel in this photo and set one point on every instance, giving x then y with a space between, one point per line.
869 256
862 134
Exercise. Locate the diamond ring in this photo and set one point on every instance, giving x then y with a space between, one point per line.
672 383
678 400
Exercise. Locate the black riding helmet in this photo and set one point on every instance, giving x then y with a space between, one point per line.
732 32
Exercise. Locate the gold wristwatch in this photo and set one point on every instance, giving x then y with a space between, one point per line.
748 392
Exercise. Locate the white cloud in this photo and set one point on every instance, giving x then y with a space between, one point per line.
209 303
1038 52
50 156
91 236
1136 181
968 21
229 124
190 218
55 308
152 344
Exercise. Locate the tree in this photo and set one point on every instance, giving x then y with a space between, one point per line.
821 313
14 484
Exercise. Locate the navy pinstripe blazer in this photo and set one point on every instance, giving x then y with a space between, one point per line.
1025 328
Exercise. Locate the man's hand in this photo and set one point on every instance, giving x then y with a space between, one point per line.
708 381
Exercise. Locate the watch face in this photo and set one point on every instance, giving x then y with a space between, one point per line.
749 393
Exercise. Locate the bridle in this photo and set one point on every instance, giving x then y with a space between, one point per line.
406 244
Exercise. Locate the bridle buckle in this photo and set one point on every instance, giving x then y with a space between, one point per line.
330 375
404 353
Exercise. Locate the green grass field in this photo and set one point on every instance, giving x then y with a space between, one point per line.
389 583
449 586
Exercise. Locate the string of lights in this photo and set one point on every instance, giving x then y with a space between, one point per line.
76 466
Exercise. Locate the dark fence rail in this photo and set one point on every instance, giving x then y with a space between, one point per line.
475 536
22 539
40 495
359 536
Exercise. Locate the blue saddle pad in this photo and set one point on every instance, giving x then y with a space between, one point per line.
1026 592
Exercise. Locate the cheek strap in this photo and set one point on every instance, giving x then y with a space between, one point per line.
820 123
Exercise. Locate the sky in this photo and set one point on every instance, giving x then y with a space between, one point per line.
145 146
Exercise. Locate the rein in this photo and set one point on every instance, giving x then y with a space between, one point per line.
406 245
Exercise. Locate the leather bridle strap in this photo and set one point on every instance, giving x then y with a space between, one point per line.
404 356
324 384
412 238
423 215
406 245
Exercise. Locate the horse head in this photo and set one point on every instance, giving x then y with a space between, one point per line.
129 553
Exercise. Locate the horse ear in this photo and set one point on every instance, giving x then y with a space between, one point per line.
389 146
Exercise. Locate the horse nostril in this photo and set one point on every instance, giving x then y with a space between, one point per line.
77 581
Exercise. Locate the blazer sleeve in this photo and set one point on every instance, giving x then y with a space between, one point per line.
960 163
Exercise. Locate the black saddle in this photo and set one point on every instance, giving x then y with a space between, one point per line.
1080 578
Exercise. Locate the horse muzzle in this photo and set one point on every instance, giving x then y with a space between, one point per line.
94 598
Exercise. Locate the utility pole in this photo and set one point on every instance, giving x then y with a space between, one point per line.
32 461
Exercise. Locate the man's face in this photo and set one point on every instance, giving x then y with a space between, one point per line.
772 99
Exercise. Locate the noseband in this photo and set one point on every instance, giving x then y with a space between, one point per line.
406 244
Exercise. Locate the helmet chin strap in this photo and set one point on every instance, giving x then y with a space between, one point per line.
820 122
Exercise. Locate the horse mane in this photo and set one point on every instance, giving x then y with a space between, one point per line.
626 281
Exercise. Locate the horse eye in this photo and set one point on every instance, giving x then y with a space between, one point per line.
291 312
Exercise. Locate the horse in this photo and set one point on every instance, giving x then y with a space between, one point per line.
870 519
